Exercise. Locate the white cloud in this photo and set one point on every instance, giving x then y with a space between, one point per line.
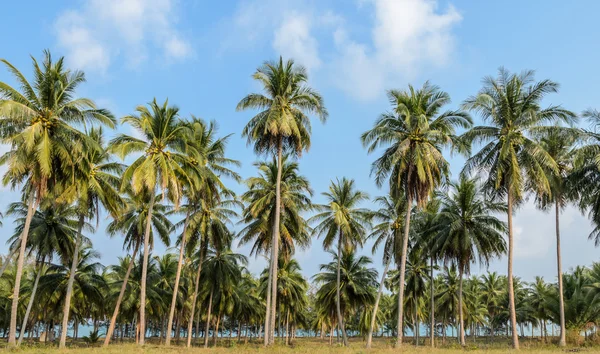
404 38
407 37
103 29
294 40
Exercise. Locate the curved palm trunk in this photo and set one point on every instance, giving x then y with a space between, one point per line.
12 333
145 271
176 286
376 307
511 290
432 329
563 340
402 275
275 243
67 306
30 304
113 319
194 299
208 319
8 258
460 307
416 332
337 293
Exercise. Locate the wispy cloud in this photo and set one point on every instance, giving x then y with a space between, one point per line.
101 30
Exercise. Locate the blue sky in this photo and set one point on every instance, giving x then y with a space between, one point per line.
201 54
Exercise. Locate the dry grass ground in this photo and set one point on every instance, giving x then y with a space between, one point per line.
303 346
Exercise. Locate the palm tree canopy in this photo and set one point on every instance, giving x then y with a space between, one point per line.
414 134
259 213
510 156
467 229
342 217
283 107
39 122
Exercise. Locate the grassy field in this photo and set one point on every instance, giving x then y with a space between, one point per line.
303 346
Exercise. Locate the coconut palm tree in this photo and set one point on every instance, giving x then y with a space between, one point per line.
560 145
491 290
38 124
209 219
163 164
52 231
387 231
414 134
468 232
513 161
96 185
281 126
346 283
260 209
342 220
222 272
131 224
207 155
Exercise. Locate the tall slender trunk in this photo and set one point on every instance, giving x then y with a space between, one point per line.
195 299
287 327
208 319
31 299
113 319
563 340
67 305
8 258
216 332
460 306
416 334
268 308
402 275
337 292
275 242
511 290
177 277
12 333
145 270
432 291
376 307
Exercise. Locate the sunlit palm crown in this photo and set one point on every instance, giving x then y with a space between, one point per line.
413 135
510 156
40 121
284 104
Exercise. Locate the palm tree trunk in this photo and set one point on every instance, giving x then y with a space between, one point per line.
432 290
287 327
460 306
402 271
31 299
8 258
337 292
268 309
67 305
563 340
113 319
208 319
511 290
416 334
275 242
216 332
176 286
12 333
195 299
145 271
376 307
